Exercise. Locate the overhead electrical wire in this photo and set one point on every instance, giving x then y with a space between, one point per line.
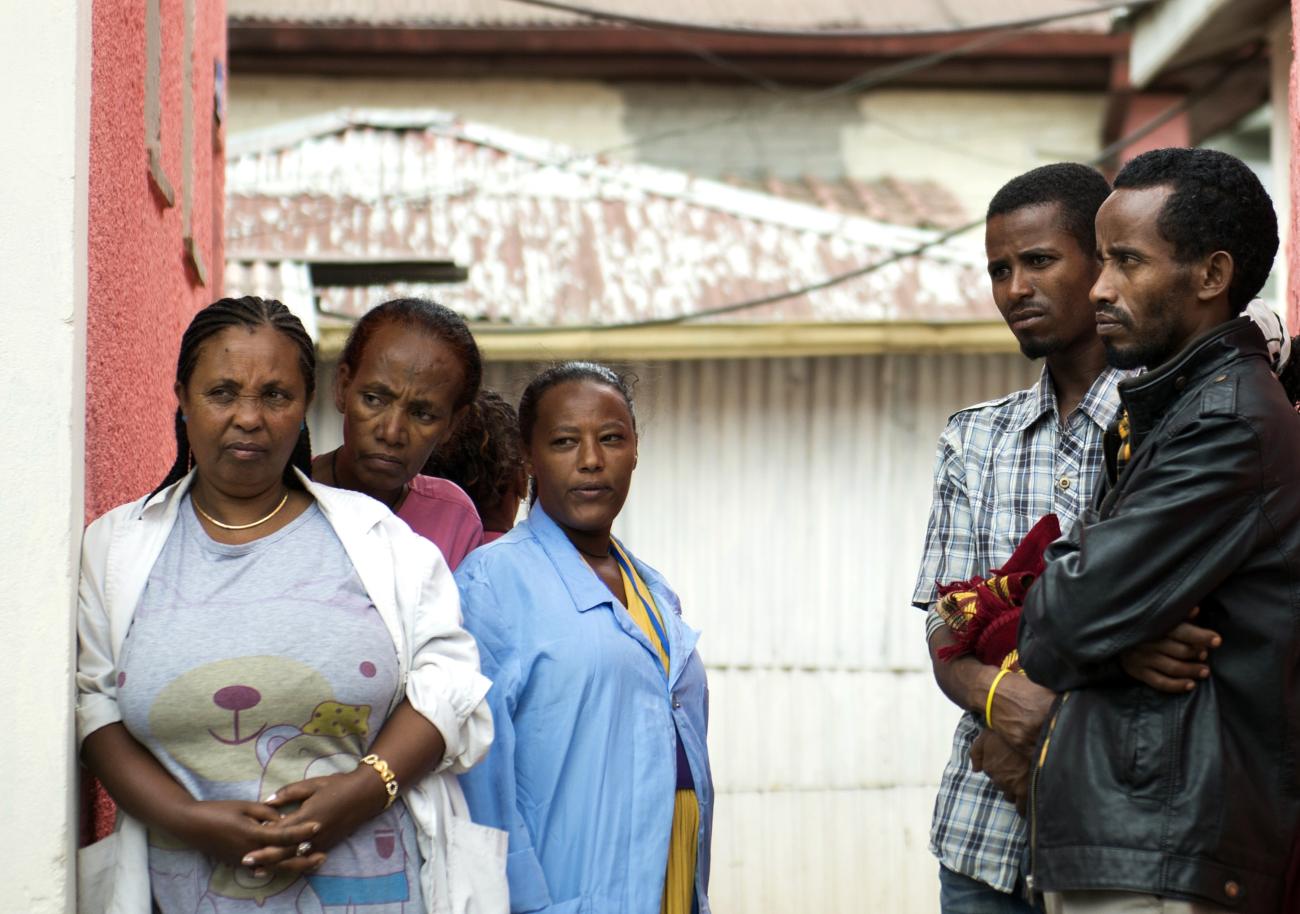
862 82
686 25
988 34
1102 157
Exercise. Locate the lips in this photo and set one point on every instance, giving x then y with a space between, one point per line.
590 491
1109 323
245 450
1023 316
381 461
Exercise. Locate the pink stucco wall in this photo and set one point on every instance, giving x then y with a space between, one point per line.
142 291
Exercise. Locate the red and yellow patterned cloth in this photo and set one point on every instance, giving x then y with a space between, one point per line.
983 614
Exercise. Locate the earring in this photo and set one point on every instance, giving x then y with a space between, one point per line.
184 418
303 427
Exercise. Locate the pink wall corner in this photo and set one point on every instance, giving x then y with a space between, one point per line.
142 292
1293 242
1145 107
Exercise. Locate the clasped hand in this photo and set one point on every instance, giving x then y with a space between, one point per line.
268 835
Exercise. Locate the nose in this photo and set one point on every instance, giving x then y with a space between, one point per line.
1021 287
590 456
390 428
236 698
248 413
1103 290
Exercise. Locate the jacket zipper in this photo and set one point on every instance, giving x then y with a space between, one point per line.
1031 881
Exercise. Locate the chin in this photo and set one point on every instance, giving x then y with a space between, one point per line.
1037 348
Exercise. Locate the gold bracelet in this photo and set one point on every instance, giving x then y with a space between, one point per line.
386 773
988 702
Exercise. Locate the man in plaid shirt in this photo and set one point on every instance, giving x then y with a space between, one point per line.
1001 466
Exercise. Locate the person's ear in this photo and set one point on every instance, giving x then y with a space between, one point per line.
179 390
342 378
1214 276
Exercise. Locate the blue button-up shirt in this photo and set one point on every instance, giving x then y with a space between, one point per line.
582 772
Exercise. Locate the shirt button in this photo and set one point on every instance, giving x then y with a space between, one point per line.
1064 483
1232 888
1180 382
676 703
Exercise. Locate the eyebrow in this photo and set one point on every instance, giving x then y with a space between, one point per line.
233 382
1121 249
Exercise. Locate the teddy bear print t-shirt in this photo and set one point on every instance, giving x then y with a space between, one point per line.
251 667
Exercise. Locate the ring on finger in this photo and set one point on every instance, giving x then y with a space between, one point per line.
303 849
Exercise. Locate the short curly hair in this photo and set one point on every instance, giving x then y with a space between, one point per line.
484 455
1078 189
1217 204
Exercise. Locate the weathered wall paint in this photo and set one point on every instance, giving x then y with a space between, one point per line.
142 289
44 65
985 137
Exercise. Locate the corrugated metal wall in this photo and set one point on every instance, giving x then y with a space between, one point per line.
786 501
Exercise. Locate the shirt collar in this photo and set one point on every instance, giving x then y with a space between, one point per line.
1100 403
587 590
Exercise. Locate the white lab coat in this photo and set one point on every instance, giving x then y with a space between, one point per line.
463 870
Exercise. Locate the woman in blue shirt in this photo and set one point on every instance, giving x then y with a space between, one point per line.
599 771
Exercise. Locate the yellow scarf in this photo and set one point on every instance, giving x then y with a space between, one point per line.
679 880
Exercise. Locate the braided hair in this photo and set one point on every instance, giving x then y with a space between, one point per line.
484 455
250 312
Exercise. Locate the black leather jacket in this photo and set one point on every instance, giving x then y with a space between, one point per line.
1192 796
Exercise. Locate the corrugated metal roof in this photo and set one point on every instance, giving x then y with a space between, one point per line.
550 238
882 15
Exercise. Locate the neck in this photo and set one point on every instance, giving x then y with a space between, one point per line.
236 507
1073 370
343 476
594 545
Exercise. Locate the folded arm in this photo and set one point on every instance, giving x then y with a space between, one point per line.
1185 525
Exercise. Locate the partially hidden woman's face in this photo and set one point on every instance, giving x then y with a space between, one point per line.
398 405
244 405
582 454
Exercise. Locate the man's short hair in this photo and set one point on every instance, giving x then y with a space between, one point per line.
1217 204
1078 189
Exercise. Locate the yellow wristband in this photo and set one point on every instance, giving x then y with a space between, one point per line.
386 774
988 702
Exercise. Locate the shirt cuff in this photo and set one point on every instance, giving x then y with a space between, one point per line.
95 710
933 621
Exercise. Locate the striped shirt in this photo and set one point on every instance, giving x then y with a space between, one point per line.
1001 466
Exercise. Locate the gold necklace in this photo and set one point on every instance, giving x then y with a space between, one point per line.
255 523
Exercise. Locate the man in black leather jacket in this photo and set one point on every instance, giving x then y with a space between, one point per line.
1179 802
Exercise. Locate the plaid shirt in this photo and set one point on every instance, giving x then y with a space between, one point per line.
1001 466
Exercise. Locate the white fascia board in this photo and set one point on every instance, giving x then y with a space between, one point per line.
1163 31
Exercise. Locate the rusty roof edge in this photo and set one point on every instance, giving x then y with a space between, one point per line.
705 192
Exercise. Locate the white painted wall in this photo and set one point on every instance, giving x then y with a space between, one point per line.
970 142
44 158
581 113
